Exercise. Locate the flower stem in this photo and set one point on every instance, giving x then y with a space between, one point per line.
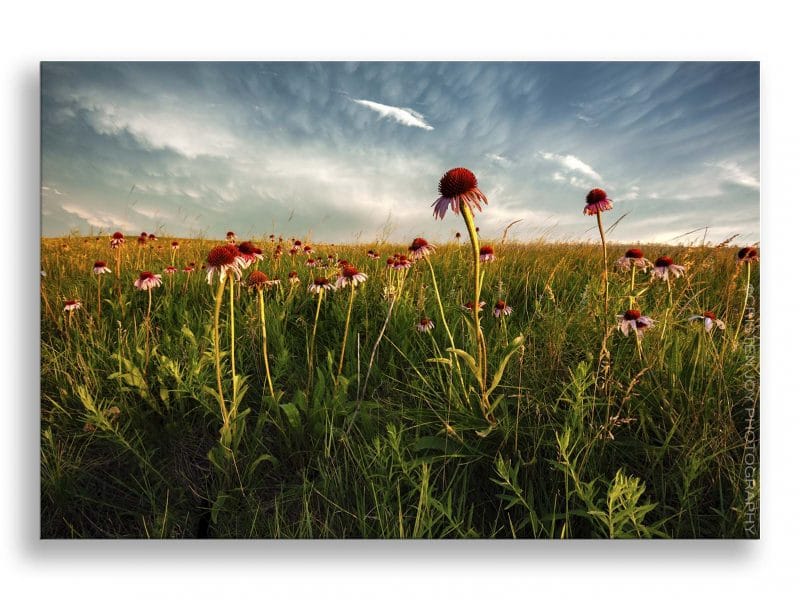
605 266
466 211
98 299
217 308
346 329
744 306
313 337
632 298
232 329
264 339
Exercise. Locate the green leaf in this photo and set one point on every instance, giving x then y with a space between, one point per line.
467 357
292 414
498 375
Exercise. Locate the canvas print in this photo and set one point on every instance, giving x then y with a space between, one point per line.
393 300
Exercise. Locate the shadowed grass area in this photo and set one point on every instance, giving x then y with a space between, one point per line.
648 444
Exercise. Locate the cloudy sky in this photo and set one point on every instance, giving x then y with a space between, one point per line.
354 151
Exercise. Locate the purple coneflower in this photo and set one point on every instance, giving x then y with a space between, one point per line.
420 248
425 325
320 284
709 319
597 201
487 254
70 305
748 254
633 258
147 280
470 305
117 239
311 263
152 237
293 278
456 185
100 267
664 267
259 280
189 268
373 255
170 270
223 259
249 254
175 245
350 276
401 262
501 308
633 320
230 237
308 250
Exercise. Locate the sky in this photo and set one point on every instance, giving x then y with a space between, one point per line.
344 152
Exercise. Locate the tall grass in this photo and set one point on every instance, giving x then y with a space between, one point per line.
397 446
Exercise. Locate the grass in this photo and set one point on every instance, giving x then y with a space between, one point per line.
648 444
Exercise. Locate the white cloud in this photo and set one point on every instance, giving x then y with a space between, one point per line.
499 158
404 116
734 173
49 189
98 218
572 163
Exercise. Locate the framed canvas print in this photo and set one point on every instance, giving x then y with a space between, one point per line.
394 300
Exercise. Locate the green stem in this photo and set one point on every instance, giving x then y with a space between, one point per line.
744 306
605 267
313 337
217 308
632 298
466 212
346 329
232 329
264 339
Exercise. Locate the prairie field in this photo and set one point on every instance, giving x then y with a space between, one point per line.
228 410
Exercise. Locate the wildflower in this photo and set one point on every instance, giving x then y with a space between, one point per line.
311 263
425 325
175 245
501 308
278 251
420 248
117 239
320 284
469 305
458 235
308 250
152 237
748 254
189 268
401 262
390 263
142 240
223 259
147 281
456 185
350 276
71 305
293 278
597 201
665 267
170 270
230 237
709 319
100 267
373 255
249 253
259 280
487 254
633 320
293 251
633 258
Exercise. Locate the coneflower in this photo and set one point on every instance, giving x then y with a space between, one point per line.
373 255
469 306
249 254
401 263
350 276
420 248
633 320
632 259
99 268
425 325
319 285
666 268
152 237
709 319
293 278
223 260
501 309
146 282
309 250
747 255
311 263
71 306
117 239
230 237
486 254
596 202
258 280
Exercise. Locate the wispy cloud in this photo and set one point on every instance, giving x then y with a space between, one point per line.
572 163
404 116
734 173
